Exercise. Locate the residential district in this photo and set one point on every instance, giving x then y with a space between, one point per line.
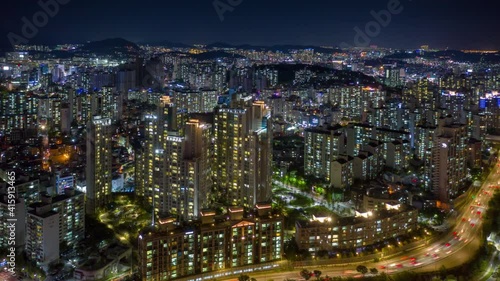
214 162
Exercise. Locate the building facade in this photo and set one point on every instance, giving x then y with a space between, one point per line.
243 152
355 232
215 243
42 235
99 163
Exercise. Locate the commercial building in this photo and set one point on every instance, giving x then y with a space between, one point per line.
109 262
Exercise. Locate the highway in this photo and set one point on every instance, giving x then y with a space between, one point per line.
453 249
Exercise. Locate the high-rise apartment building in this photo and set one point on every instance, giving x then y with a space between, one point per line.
454 104
99 163
107 103
6 213
195 101
355 101
243 152
18 110
184 178
336 233
173 170
489 106
42 235
421 90
425 136
449 159
71 209
145 159
358 135
323 145
342 173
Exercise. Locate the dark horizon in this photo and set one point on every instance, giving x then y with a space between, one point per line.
447 24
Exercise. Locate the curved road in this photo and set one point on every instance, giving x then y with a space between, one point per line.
453 249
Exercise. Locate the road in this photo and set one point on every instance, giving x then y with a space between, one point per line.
453 249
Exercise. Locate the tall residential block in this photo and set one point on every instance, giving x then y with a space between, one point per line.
99 163
243 152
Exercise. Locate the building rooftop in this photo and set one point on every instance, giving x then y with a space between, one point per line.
42 215
335 220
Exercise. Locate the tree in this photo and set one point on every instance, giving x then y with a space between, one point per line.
291 249
244 278
362 269
306 274
373 271
317 274
443 272
322 253
74 123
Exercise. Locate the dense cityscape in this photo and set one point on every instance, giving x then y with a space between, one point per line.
170 161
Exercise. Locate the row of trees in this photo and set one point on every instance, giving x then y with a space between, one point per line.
364 270
401 276
306 274
245 277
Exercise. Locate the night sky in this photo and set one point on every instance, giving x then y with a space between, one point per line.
456 24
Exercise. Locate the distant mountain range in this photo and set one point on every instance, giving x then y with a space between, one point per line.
221 45
451 55
212 55
168 44
123 48
110 47
284 48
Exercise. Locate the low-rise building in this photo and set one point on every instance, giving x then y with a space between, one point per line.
100 266
336 233
171 251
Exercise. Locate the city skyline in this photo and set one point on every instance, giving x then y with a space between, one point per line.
249 140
